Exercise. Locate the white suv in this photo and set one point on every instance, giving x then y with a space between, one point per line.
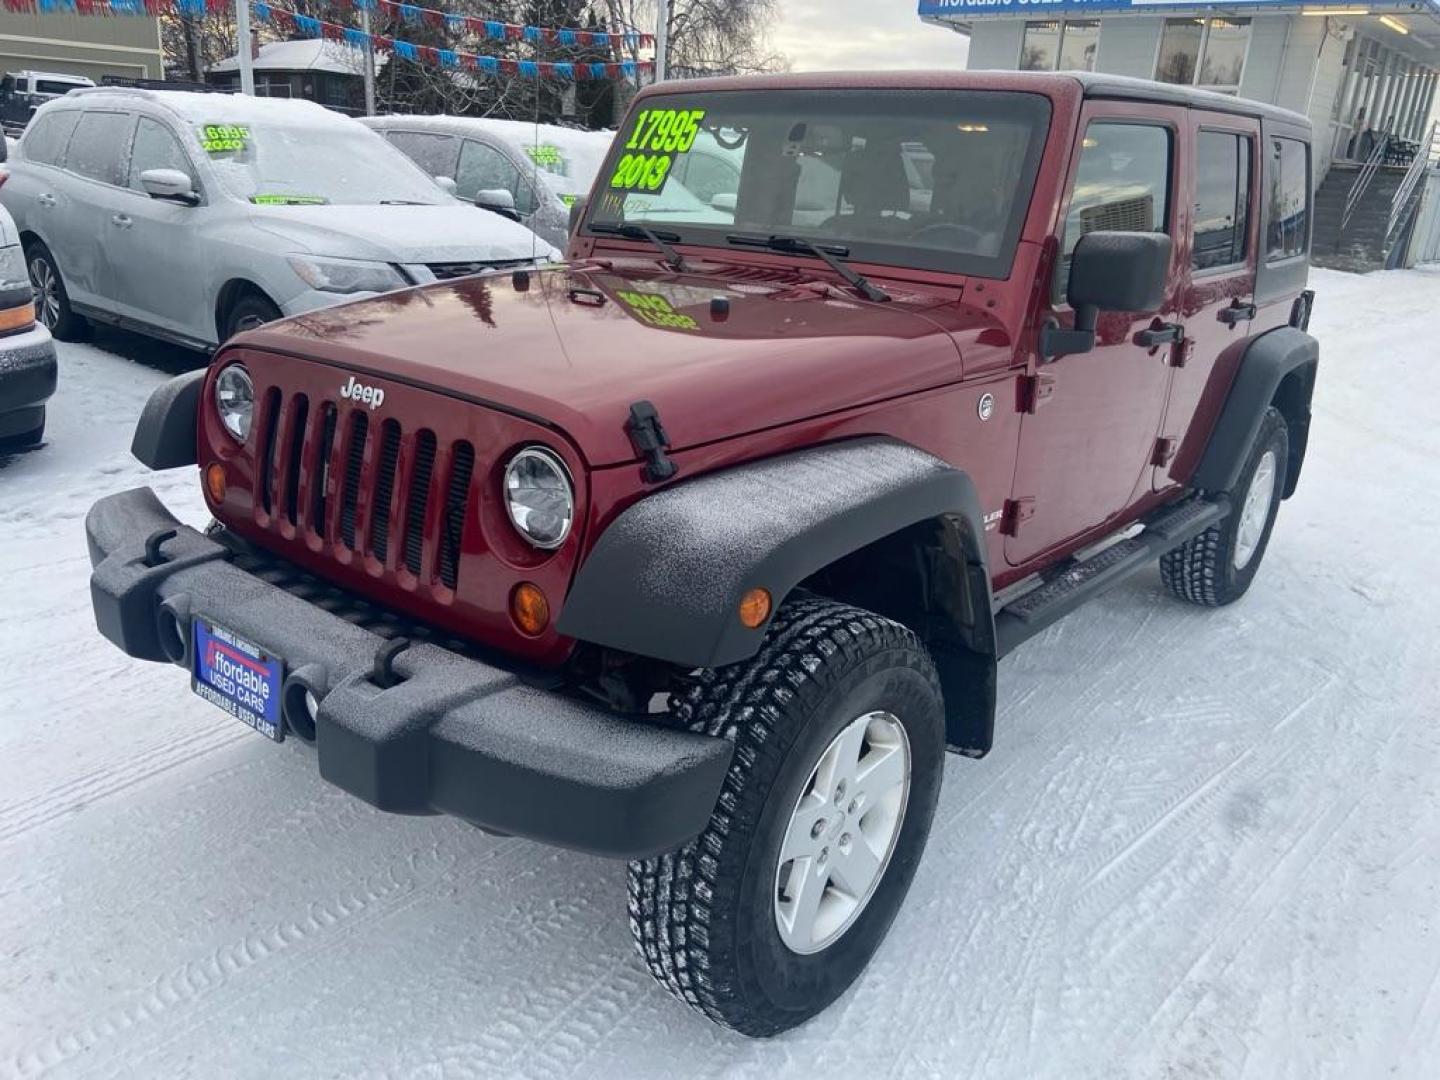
191 216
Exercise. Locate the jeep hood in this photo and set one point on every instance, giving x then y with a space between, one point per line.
454 232
577 347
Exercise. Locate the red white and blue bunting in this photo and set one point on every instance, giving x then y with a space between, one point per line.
488 29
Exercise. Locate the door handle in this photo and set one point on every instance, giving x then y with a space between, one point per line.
1163 334
1236 312
45 199
122 220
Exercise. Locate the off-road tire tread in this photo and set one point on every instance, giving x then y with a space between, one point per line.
1195 571
673 915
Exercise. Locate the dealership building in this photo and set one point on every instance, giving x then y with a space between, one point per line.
1356 69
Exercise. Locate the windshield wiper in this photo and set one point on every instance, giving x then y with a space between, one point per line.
661 240
831 254
403 202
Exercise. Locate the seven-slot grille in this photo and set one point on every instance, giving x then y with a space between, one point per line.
369 487
450 271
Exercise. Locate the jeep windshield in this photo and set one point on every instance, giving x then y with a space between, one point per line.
936 180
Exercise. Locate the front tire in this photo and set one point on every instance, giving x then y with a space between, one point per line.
775 909
250 311
1217 567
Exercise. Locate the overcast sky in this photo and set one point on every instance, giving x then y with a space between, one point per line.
863 34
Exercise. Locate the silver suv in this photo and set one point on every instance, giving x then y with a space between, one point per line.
543 168
191 216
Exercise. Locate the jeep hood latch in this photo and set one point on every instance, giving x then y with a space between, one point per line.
648 437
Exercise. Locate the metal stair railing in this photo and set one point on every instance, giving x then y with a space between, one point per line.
1401 202
1362 181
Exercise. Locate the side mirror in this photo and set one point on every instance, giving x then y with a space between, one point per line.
1110 271
171 185
577 211
446 183
498 201
725 200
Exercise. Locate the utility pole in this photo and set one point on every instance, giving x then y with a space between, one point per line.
662 38
242 41
369 62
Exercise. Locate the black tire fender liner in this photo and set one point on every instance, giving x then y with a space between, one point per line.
165 435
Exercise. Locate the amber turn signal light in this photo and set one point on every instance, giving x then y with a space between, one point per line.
529 608
17 318
215 482
755 608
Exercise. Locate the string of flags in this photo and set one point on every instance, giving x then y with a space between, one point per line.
579 70
414 14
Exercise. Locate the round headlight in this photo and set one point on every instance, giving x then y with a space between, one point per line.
235 400
539 498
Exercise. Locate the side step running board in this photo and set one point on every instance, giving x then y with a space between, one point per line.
1080 581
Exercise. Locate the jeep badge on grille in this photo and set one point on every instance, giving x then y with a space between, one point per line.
366 395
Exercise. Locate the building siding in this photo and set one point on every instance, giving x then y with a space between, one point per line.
128 46
1329 73
1269 36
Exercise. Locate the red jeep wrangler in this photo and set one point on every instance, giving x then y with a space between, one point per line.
701 550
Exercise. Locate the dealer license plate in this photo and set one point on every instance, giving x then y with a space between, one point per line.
239 677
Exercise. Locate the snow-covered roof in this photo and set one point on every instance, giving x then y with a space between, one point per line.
311 54
223 108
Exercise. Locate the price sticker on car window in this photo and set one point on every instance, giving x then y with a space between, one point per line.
657 136
224 138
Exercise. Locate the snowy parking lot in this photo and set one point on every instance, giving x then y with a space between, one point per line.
1206 844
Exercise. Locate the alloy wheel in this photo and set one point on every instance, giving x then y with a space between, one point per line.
47 292
1255 511
842 832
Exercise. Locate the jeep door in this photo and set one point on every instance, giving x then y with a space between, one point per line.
1086 445
1218 293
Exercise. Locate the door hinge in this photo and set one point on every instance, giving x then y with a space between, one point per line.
1015 513
1034 391
1181 352
1164 451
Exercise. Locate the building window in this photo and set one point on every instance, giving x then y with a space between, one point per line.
1222 199
1204 52
1288 194
1060 45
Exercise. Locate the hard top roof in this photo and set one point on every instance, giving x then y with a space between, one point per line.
1060 83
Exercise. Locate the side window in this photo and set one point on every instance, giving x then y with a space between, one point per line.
433 153
157 148
483 168
1222 199
98 147
707 176
45 139
1122 184
1287 180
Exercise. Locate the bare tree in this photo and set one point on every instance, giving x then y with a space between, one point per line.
707 37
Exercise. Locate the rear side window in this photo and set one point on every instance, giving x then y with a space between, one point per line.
483 168
45 139
1287 183
49 86
434 153
98 147
157 148
1122 184
1222 199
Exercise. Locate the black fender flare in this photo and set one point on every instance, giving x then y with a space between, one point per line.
665 579
1269 361
165 435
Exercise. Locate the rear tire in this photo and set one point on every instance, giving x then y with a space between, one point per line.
25 440
1217 567
722 922
247 313
52 301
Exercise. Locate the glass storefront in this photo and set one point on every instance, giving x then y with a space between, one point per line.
1060 45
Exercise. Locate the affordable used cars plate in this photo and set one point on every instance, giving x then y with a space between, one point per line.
239 677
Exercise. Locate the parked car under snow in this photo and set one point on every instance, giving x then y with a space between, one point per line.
191 216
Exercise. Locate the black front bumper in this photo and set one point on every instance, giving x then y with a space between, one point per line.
451 735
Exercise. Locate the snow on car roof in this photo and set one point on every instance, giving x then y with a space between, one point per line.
308 54
220 108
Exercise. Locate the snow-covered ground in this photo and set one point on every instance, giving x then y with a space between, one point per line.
1207 844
